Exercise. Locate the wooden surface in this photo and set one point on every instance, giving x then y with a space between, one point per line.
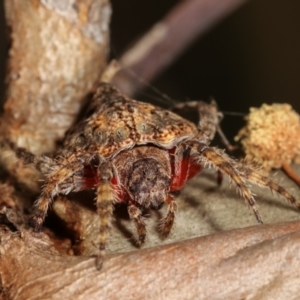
58 51
216 251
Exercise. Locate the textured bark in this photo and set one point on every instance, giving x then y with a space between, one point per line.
256 262
259 262
58 51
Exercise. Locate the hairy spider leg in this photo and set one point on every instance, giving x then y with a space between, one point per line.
60 180
255 176
135 214
208 118
168 221
204 155
221 161
105 198
57 183
239 173
208 125
42 163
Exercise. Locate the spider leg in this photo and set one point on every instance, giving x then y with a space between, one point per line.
209 118
58 178
135 214
168 220
221 161
105 197
41 206
58 182
209 121
255 176
42 163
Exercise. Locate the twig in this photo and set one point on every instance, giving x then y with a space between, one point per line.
291 173
221 266
168 38
58 51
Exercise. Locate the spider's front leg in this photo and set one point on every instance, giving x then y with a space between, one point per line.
168 221
252 174
105 197
218 159
59 181
205 155
239 173
45 165
209 118
209 121
42 163
135 214
166 225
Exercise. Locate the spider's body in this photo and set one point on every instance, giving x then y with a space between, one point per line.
139 154
145 164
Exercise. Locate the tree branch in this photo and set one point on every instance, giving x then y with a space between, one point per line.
228 265
58 52
167 39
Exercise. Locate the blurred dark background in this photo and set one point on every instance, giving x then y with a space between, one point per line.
249 58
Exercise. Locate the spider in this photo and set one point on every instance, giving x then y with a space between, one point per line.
141 155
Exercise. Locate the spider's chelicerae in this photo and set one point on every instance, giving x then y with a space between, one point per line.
139 154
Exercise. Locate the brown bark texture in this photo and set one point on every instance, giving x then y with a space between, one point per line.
58 51
259 262
216 250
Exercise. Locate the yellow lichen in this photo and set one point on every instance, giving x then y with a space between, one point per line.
271 135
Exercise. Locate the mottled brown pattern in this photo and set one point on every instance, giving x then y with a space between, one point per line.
141 155
119 123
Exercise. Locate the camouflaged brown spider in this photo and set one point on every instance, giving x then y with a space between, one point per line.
139 154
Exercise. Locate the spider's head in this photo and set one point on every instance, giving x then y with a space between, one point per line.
149 183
